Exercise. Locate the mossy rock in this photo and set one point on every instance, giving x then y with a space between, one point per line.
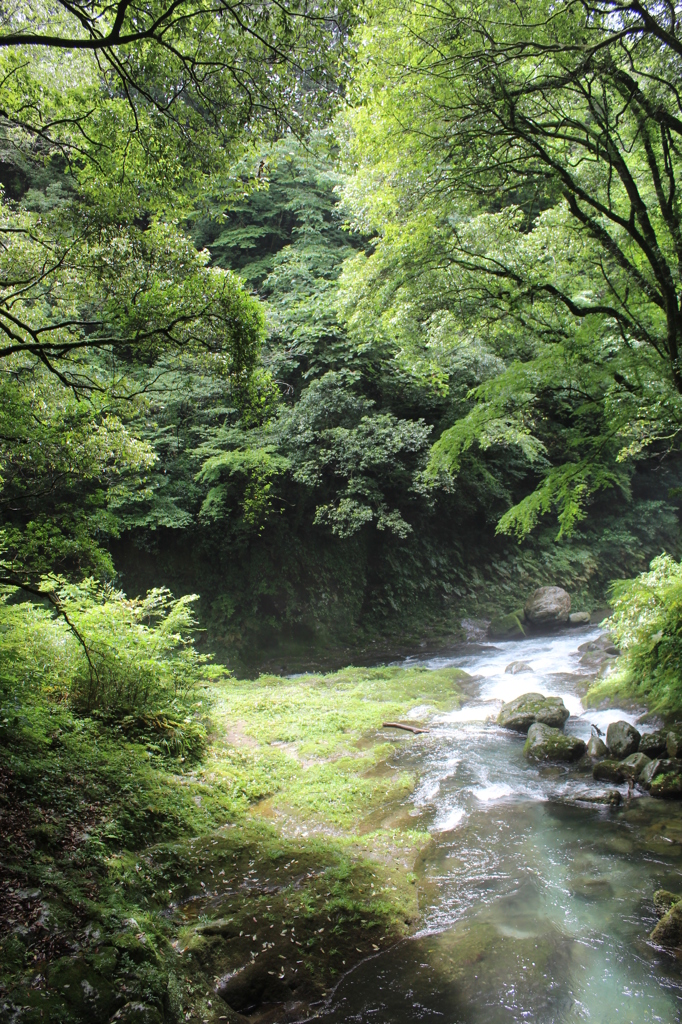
632 767
83 983
668 931
521 713
507 627
137 1013
607 771
654 744
667 780
547 744
136 945
674 741
622 739
664 900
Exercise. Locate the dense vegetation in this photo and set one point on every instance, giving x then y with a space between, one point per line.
344 322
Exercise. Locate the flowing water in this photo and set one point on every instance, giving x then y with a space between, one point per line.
537 909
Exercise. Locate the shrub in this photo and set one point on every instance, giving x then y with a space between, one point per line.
647 625
124 658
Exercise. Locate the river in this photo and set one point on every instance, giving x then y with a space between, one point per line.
535 909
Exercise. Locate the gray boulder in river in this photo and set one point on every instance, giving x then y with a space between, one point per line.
607 771
596 747
674 741
514 667
622 739
547 744
653 744
633 766
547 605
521 713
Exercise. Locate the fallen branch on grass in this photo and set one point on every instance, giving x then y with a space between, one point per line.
399 725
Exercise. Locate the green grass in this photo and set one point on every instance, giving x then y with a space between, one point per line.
117 861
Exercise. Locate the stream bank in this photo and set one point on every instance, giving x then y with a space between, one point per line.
316 863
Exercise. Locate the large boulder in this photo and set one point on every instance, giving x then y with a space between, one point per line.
547 605
547 744
507 627
653 744
622 739
521 713
632 767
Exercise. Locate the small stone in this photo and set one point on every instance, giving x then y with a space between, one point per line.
547 605
521 713
547 744
579 618
609 797
596 747
622 739
653 744
607 771
633 766
514 667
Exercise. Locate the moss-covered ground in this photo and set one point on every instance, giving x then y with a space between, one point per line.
147 888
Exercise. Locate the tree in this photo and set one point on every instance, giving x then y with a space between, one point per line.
540 145
116 124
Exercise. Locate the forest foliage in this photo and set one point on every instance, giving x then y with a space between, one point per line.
315 311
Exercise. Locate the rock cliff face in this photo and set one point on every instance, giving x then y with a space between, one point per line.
547 605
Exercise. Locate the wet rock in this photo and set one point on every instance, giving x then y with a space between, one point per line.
632 767
667 780
137 1013
607 771
646 776
579 618
547 605
507 627
514 667
547 744
266 980
668 931
609 797
83 982
521 713
603 643
674 741
665 900
589 887
596 747
622 739
653 744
